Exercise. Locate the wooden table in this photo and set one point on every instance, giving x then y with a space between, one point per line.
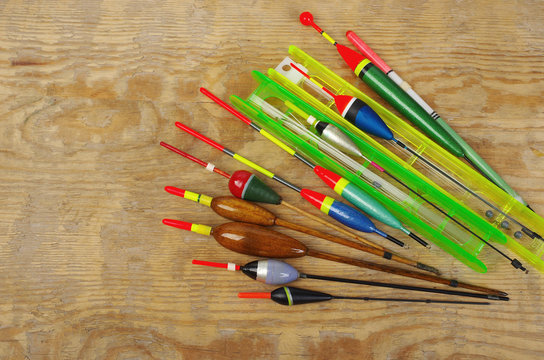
89 89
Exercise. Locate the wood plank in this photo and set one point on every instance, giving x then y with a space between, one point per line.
89 89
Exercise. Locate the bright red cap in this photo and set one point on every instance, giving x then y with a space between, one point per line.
213 264
313 197
238 182
341 102
183 225
367 51
254 295
175 191
306 18
329 177
351 57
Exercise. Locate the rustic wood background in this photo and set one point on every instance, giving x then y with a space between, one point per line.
88 89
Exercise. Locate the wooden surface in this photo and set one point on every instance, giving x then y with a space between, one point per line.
88 89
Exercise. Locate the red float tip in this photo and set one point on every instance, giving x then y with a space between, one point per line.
215 264
306 18
329 177
313 197
254 295
367 51
342 102
183 225
225 106
195 159
351 57
300 70
308 77
199 136
175 191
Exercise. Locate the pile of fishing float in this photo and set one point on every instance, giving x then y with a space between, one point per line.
339 147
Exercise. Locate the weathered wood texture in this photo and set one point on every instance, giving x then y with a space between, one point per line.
89 89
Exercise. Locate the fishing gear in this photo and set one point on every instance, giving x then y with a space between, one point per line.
289 295
250 239
356 112
347 190
339 211
286 84
471 156
245 185
355 166
389 91
240 210
275 272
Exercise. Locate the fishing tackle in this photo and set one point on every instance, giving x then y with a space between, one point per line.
471 156
354 110
332 134
340 185
240 210
250 239
289 295
389 91
275 272
356 167
363 122
339 211
242 185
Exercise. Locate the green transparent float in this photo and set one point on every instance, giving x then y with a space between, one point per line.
530 249
411 210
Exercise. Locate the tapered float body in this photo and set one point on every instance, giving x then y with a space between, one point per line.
334 136
289 295
272 272
358 197
276 272
339 211
247 239
357 112
389 91
247 186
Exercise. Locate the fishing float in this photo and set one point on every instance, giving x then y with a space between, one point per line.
245 185
255 240
240 210
389 91
355 166
363 117
340 185
351 108
276 272
471 156
339 211
289 295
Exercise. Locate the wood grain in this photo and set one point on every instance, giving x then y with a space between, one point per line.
89 89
